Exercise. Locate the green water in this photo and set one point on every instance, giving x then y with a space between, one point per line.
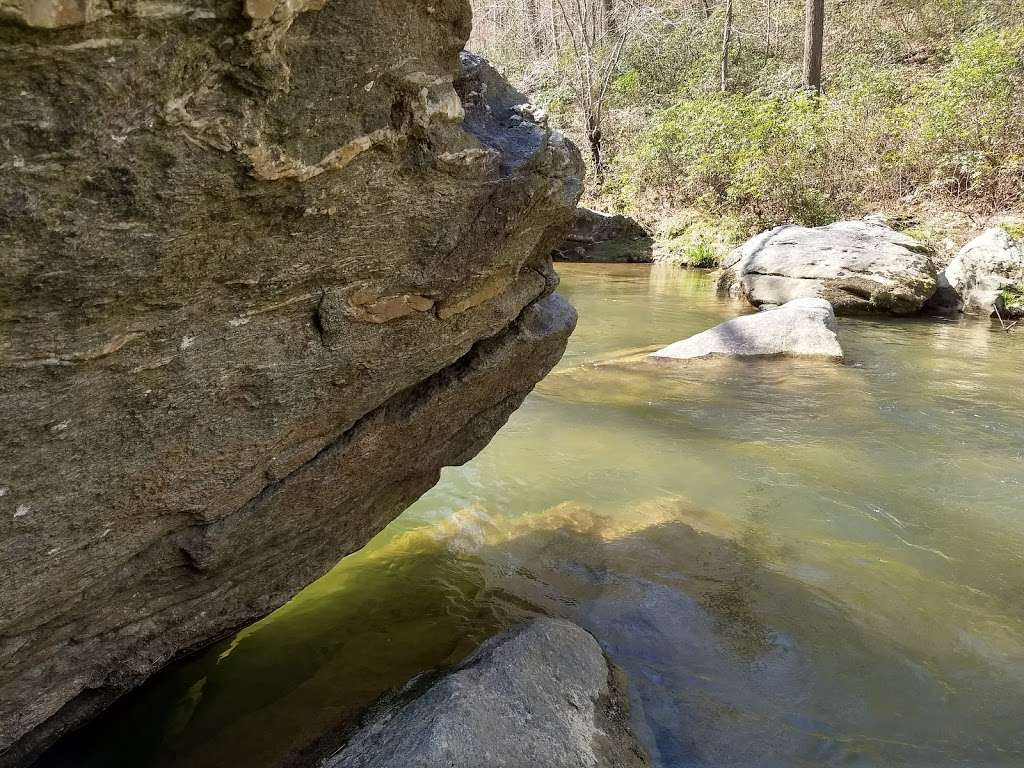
797 563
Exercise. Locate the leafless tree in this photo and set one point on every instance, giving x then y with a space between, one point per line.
596 55
531 19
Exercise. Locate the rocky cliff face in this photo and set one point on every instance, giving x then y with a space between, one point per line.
266 270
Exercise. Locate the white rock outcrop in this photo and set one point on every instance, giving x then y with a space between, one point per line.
976 278
857 266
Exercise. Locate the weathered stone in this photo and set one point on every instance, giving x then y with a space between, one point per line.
541 694
857 266
799 328
605 237
266 271
976 278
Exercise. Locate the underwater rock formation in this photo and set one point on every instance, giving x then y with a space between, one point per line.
540 694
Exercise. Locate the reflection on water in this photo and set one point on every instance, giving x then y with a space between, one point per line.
798 564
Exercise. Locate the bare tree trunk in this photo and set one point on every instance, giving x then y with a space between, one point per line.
814 32
726 38
531 14
610 22
594 137
556 41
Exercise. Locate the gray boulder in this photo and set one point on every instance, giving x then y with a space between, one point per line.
267 268
605 237
981 276
799 328
541 694
857 266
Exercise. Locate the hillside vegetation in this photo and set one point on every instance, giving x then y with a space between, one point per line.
704 115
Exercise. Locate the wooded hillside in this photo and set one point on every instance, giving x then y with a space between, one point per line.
714 105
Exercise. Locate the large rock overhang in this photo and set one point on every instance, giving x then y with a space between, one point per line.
264 277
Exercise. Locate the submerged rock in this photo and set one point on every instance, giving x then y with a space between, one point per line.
799 328
541 694
857 266
267 269
605 237
982 275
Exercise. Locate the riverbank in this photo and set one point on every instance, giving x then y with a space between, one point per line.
691 238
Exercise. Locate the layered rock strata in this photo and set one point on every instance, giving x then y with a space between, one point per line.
266 271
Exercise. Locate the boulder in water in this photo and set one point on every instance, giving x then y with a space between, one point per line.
981 276
540 694
799 328
605 237
857 266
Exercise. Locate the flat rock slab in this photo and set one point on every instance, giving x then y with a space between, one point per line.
857 266
799 328
538 695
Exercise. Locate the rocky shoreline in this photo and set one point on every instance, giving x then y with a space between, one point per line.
860 266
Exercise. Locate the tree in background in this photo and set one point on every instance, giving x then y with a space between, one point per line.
726 39
583 41
598 31
814 38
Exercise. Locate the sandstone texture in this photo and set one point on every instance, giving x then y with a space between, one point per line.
605 237
857 266
982 275
266 269
799 328
541 694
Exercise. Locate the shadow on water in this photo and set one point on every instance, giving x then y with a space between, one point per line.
267 696
731 662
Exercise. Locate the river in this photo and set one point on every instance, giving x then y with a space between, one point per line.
797 563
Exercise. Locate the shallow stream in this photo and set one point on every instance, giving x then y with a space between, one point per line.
797 563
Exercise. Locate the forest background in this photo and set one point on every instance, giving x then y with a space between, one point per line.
709 120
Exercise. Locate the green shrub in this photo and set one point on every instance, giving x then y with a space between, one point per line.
1013 298
688 238
702 256
1016 231
760 157
971 123
880 133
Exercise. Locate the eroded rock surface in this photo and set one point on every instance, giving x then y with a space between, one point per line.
981 275
799 328
541 694
266 271
857 266
604 237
